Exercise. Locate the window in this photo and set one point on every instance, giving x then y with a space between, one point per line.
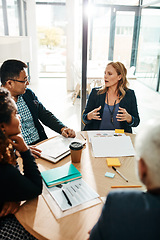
1 20
149 47
12 14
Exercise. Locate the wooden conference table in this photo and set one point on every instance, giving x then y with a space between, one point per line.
37 218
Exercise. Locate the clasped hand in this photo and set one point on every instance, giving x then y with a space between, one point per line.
68 132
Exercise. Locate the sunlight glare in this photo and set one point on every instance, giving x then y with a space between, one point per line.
89 10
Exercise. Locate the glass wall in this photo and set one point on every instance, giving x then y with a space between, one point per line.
149 48
98 33
51 30
1 20
112 34
122 32
110 37
98 43
12 16
118 2
151 3
60 40
123 37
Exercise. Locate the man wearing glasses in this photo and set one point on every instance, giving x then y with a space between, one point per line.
14 78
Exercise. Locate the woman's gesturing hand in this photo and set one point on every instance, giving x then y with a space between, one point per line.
123 115
94 114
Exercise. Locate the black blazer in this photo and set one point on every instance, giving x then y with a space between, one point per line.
95 100
16 186
129 215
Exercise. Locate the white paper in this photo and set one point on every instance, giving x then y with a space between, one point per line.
56 210
78 192
112 146
102 134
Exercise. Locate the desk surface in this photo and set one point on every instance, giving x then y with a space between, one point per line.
37 218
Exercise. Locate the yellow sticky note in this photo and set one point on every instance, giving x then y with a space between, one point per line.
113 162
119 130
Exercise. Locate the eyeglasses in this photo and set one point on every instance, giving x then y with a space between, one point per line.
27 79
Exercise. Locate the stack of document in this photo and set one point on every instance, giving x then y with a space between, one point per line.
107 144
66 187
56 148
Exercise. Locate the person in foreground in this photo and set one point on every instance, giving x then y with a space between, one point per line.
114 106
14 186
135 214
31 110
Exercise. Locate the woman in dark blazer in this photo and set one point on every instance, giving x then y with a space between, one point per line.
14 186
114 106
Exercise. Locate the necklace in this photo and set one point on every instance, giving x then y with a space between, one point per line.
111 112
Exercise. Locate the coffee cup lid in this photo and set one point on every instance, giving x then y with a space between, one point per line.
76 146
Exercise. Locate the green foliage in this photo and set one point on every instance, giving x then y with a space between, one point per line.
50 37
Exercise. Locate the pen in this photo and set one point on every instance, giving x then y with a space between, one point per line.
131 186
83 136
120 174
69 202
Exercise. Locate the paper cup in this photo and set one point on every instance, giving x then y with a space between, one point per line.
76 151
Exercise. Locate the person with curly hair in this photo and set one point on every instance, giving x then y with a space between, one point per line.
114 106
14 186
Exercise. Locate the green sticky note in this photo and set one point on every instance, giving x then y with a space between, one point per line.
110 175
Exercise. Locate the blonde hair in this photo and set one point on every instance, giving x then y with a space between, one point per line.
122 83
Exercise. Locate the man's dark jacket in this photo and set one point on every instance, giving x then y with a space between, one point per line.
41 114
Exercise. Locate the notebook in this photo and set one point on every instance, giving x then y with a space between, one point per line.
57 148
59 175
